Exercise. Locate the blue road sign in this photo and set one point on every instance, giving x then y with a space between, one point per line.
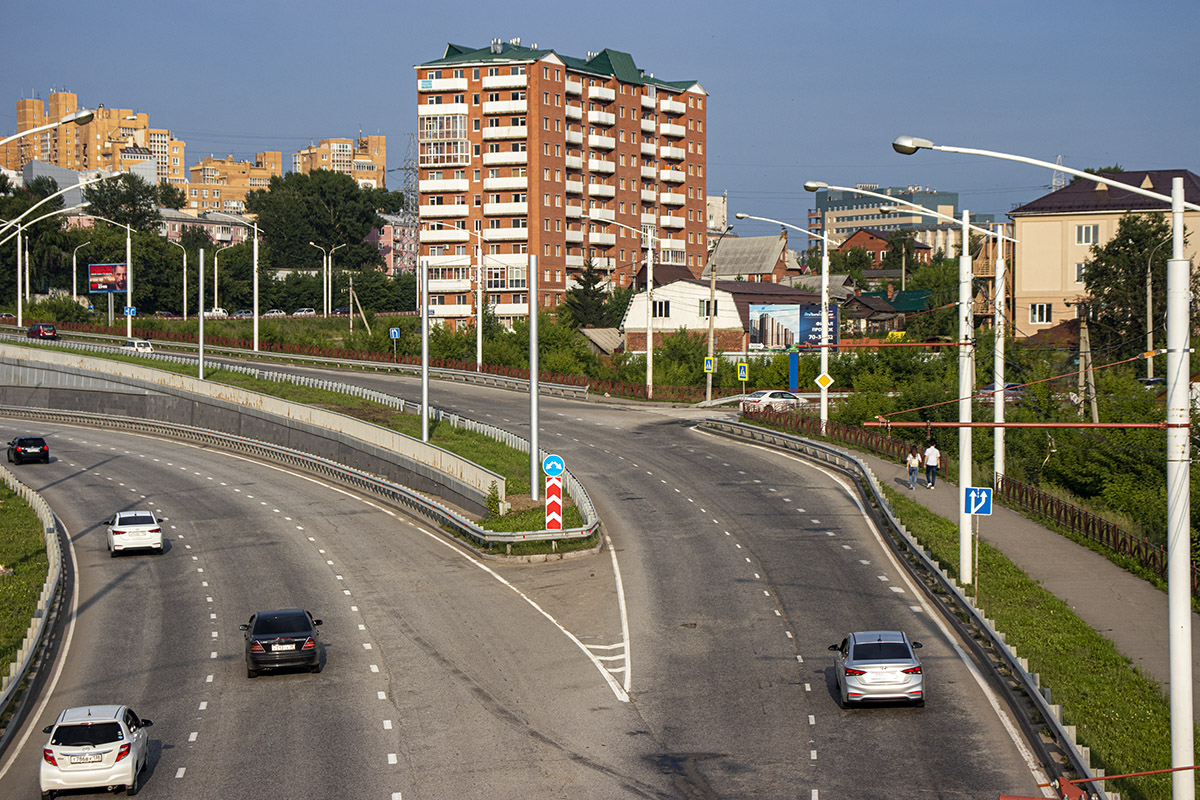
553 465
130 311
979 501
743 372
710 364
394 333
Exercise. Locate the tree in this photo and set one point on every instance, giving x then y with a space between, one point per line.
584 303
902 250
940 277
1100 171
128 200
850 262
171 196
1115 280
615 306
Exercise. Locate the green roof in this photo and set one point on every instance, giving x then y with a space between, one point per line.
907 301
607 62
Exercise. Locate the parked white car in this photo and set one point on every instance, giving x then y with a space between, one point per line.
305 312
134 530
275 312
138 346
216 313
771 400
95 747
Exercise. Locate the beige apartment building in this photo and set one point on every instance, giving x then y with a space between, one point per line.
221 184
115 139
1056 232
524 151
364 159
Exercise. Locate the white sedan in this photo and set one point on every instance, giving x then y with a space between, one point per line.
134 530
771 400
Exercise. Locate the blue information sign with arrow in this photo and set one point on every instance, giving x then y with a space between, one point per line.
979 501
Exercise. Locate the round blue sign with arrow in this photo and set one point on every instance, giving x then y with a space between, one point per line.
553 465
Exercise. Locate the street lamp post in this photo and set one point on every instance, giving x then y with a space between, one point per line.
81 117
75 270
329 280
217 273
184 249
478 289
822 381
712 314
325 271
128 271
22 248
1178 453
254 227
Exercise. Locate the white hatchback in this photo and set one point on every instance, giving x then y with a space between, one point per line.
134 530
139 346
95 747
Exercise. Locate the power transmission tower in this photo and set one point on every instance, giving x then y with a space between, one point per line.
408 214
1060 178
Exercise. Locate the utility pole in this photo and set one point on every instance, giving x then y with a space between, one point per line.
1087 378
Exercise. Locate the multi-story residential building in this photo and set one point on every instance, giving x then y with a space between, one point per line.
524 151
221 184
397 242
838 214
875 243
1056 233
364 159
115 139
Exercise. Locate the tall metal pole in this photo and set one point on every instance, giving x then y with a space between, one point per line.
425 350
200 312
128 280
20 279
534 448
479 308
75 269
966 372
712 320
1149 317
255 230
1000 330
824 385
1183 785
650 322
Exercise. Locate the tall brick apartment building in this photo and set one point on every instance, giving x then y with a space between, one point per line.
525 151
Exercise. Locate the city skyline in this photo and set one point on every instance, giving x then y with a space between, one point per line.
791 99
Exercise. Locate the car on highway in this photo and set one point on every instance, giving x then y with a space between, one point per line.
304 312
95 747
1013 392
275 312
771 400
286 637
878 665
216 313
134 530
28 448
342 311
6 317
243 313
138 346
41 330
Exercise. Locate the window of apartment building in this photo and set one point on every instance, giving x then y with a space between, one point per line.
460 250
475 73
558 100
546 226
493 97
518 172
475 149
545 173
546 249
194 193
493 250
476 176
520 222
558 200
493 173
558 125
699 148
558 151
518 70
518 147
478 200
436 200
546 98
1079 272
545 123
494 224
558 225
433 74
494 147
558 175
460 199
433 100
545 148
546 73
557 250
546 202
460 98
557 75
493 122
458 73
475 98
519 95
494 198
493 72
1087 234
475 123
662 309
460 174
706 310
519 197
1039 313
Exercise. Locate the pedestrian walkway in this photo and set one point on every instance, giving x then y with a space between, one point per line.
1129 611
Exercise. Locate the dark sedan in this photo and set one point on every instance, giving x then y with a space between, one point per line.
284 638
28 448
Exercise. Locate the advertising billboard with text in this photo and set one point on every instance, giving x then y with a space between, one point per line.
107 277
779 327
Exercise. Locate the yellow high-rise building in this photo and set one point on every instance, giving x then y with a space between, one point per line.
221 184
364 159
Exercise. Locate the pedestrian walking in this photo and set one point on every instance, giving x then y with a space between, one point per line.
933 457
913 460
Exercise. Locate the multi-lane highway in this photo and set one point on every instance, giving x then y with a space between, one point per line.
733 568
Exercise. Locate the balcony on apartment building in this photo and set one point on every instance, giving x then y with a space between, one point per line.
574 187
648 126
648 101
440 210
598 239
575 212
671 175
573 137
505 209
505 107
507 157
671 198
604 214
447 285
649 174
600 190
672 153
441 84
453 260
505 234
574 162
648 195
510 309
504 82
597 142
439 109
670 221
574 113
443 185
575 261
671 244
505 184
439 235
601 94
505 132
672 130
600 165
604 119
672 107
648 149
574 87
573 237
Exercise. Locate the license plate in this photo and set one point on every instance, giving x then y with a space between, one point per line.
90 758
275 648
884 677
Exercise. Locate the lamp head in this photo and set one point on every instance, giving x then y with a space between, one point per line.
813 186
888 209
739 215
81 117
907 145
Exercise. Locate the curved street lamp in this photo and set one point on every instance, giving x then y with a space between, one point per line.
1178 451
75 270
17 233
184 249
81 117
128 272
823 381
254 227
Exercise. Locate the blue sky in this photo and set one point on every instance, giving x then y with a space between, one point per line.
798 90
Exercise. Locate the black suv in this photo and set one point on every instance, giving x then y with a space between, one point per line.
42 330
28 448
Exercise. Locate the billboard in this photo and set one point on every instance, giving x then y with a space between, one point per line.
780 326
104 278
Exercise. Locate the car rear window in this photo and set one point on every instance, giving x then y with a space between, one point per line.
93 734
281 623
881 651
30 442
137 519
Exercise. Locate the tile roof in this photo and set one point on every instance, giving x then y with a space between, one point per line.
1085 196
907 301
747 255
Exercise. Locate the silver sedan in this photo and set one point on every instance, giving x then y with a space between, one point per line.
878 665
771 400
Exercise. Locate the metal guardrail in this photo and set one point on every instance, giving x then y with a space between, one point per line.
37 625
1052 714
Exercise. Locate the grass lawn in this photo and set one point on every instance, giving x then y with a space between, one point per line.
22 550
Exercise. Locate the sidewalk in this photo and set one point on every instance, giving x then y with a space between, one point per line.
1124 608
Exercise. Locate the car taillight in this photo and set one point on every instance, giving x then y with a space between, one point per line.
309 644
156 530
117 532
854 671
255 647
124 751
46 447
912 671
48 755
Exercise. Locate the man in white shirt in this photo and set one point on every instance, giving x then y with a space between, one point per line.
933 457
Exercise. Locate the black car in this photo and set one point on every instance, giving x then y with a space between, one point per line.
28 448
42 330
284 638
342 311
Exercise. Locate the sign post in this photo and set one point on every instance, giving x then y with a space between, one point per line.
394 334
743 372
553 466
978 504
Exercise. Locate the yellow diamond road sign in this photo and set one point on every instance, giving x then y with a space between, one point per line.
824 381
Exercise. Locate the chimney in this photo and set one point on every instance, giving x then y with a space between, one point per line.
891 291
